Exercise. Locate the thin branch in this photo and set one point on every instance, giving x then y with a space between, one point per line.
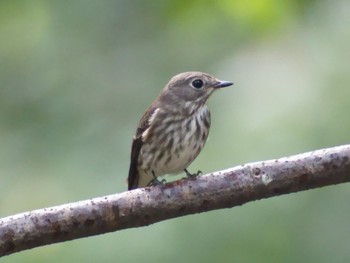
141 207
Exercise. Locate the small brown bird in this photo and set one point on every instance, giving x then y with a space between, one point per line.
173 130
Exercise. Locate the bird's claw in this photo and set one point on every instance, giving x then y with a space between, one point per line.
189 175
155 181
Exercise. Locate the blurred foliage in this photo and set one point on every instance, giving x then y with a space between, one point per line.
76 76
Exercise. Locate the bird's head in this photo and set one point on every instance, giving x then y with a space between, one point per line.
191 88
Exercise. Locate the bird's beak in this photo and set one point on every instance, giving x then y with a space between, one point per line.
222 84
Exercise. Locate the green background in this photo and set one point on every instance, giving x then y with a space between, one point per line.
76 76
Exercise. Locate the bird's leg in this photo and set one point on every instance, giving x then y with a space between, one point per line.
189 175
155 180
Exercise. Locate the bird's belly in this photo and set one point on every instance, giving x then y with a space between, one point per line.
179 160
177 146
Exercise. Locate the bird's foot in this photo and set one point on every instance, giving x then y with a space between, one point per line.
189 175
156 181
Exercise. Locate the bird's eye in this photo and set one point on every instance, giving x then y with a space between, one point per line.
197 83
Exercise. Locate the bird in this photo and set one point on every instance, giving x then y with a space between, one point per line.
173 129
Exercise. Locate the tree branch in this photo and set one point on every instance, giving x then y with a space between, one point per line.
141 207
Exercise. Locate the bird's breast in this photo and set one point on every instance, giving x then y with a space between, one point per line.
174 141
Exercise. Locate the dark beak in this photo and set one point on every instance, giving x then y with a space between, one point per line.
222 84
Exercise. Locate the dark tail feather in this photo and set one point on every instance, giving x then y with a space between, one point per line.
133 178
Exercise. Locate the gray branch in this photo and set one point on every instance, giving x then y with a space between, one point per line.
142 207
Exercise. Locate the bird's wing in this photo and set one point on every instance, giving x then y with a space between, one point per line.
133 178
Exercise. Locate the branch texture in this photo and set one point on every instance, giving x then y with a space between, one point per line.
141 207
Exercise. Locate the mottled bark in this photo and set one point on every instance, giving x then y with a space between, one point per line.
141 207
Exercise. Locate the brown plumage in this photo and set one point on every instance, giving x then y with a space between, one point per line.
174 128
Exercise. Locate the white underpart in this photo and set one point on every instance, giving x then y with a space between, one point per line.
192 144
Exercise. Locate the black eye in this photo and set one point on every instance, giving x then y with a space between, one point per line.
197 83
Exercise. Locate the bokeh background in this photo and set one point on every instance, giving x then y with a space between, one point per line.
76 76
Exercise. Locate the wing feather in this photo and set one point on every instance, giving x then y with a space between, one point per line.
145 122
